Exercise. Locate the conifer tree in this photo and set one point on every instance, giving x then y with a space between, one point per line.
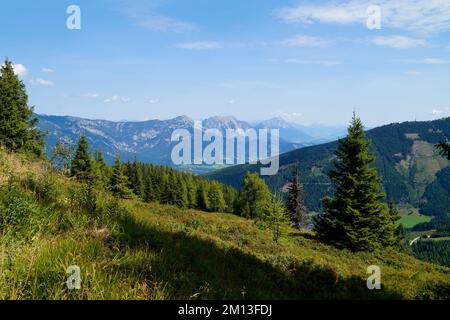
17 123
149 195
202 197
82 163
275 216
296 202
192 192
138 183
356 218
215 197
102 171
61 156
444 149
119 181
254 196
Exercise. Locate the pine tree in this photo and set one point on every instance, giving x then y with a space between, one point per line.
119 181
216 200
17 123
191 192
296 202
393 234
61 156
82 162
138 182
275 216
254 196
355 218
149 195
102 172
444 149
202 197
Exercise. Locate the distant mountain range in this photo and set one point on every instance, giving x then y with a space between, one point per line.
150 141
413 172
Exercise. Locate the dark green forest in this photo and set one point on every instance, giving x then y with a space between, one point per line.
433 251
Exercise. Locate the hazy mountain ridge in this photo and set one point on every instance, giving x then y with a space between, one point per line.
406 159
149 141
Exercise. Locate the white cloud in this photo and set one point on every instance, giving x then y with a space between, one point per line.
47 70
248 84
328 63
399 42
157 22
153 100
437 112
422 16
42 82
117 98
428 61
90 95
201 45
20 70
305 41
413 73
289 116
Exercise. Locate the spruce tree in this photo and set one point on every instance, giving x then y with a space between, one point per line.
275 216
216 199
296 202
149 195
254 196
444 149
202 197
119 181
61 156
82 162
138 182
102 171
17 123
191 192
356 218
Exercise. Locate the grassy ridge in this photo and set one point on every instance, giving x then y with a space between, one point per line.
131 250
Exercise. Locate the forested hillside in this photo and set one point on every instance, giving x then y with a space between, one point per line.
413 172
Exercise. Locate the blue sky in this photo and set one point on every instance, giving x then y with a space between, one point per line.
307 61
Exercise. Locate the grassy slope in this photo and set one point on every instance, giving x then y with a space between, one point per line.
149 251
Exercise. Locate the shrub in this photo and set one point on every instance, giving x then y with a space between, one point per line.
15 208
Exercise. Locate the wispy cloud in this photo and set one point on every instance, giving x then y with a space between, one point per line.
422 16
42 82
155 22
117 98
152 100
305 41
413 73
47 70
20 70
90 95
328 63
288 116
440 112
399 42
201 45
248 84
429 61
